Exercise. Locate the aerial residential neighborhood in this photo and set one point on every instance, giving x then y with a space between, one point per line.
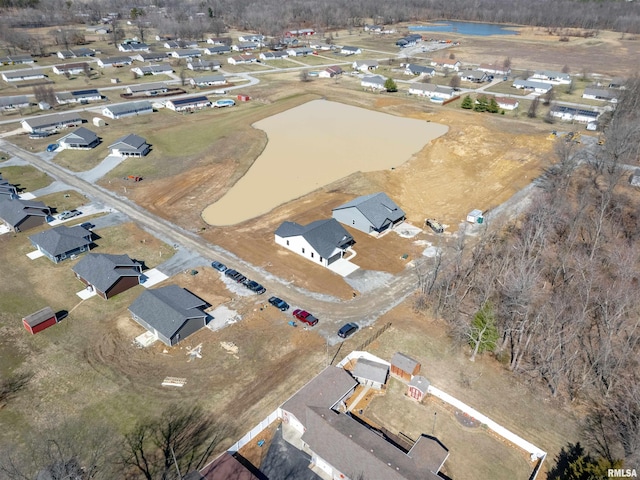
302 243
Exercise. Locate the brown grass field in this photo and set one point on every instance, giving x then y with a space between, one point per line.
87 368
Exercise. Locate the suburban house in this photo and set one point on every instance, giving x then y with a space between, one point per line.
225 467
17 60
507 103
133 47
418 388
199 64
240 59
572 114
130 146
322 241
374 82
173 44
98 29
343 447
71 68
299 51
128 109
40 320
373 213
365 65
404 367
330 72
147 89
245 46
14 102
431 90
208 81
108 275
186 53
618 83
413 69
7 189
79 96
409 40
274 55
494 69
22 75
347 50
20 215
171 313
51 122
220 41
537 87
302 32
252 37
217 50
188 104
114 62
473 76
446 63
62 242
80 139
548 76
602 94
371 373
162 69
149 56
76 53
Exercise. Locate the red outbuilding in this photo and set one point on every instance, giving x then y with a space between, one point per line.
38 321
244 98
418 388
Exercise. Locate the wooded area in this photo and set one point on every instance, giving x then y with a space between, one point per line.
562 282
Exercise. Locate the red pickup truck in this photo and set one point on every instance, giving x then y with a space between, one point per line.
305 317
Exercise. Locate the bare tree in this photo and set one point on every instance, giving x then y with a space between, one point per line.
533 108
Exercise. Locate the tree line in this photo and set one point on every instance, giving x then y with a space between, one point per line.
553 294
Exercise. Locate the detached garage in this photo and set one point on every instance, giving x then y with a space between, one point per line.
40 320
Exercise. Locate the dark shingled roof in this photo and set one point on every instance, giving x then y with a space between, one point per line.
355 449
14 211
168 308
377 208
39 317
81 135
103 270
323 235
61 239
325 390
129 142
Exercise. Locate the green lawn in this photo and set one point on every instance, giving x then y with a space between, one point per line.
26 178
61 201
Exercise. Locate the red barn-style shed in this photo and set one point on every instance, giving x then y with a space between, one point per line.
417 388
40 320
404 367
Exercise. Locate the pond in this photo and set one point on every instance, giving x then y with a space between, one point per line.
466 28
313 145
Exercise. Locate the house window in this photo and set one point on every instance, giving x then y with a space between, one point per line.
302 249
311 254
320 259
287 243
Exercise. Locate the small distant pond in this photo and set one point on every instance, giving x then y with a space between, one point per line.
466 28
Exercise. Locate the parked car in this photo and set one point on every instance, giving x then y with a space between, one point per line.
279 303
235 275
221 267
67 214
435 225
52 147
305 317
87 225
347 330
255 287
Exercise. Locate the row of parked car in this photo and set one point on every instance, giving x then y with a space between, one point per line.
302 315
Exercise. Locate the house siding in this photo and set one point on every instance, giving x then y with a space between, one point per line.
122 285
190 327
352 217
41 326
298 243
31 221
149 328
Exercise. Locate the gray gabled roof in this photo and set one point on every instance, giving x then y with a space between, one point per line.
129 142
370 370
62 239
103 270
375 79
403 362
413 68
209 79
147 87
168 308
420 382
324 390
354 449
323 235
378 208
16 100
129 107
56 119
81 135
14 211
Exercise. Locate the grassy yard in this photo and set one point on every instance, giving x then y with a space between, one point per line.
25 178
61 201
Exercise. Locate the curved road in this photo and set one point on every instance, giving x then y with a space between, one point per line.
363 309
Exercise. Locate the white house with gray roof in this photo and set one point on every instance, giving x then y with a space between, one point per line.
161 69
373 213
365 65
602 94
23 75
119 61
14 102
147 89
80 139
536 86
413 69
129 109
373 82
108 275
431 90
548 76
323 241
130 146
62 242
208 81
171 313
52 122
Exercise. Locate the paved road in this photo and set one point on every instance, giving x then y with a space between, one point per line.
363 309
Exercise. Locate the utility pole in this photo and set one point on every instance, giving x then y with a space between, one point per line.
175 462
435 415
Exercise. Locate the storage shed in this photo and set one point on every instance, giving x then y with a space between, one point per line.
371 374
475 216
40 320
418 387
404 367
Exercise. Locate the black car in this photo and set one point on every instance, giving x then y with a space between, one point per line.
255 287
279 303
221 267
347 330
235 275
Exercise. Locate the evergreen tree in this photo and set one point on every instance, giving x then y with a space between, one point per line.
390 85
467 103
